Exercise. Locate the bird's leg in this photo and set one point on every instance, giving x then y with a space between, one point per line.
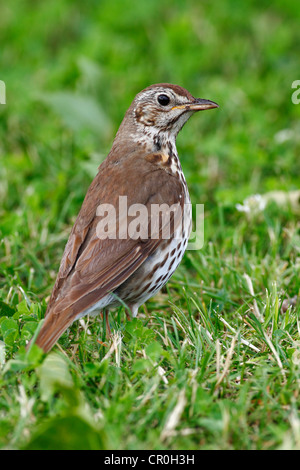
107 325
128 315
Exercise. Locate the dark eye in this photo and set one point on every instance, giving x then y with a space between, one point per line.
164 100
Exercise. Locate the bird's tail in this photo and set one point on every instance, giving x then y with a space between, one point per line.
52 328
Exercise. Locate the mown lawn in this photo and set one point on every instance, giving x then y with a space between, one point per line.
213 361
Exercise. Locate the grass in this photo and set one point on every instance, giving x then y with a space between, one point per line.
212 362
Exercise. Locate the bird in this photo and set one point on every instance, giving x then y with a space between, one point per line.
99 271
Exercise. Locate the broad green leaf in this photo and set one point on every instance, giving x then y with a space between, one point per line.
69 432
54 375
78 112
9 330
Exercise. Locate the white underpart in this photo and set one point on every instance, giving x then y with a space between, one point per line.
98 306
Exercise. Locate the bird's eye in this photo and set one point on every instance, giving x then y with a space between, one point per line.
164 100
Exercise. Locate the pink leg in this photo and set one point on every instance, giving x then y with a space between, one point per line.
108 330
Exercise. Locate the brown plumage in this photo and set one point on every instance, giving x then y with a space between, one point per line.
142 166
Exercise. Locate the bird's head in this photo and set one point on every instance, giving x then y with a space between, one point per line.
166 108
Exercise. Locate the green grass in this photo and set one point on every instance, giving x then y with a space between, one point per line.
213 361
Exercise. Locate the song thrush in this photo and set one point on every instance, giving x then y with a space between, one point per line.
99 272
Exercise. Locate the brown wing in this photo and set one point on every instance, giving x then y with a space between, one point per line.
92 267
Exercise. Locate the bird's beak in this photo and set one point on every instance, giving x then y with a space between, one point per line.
198 104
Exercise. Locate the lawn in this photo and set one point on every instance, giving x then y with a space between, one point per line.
213 361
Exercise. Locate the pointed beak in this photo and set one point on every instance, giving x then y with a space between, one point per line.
198 104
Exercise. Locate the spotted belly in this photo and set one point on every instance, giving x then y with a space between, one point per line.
157 269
